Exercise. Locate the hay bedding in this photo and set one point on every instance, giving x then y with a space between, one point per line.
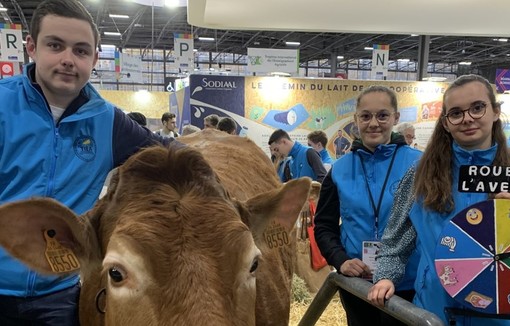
334 314
306 282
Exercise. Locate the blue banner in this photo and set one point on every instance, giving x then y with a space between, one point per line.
502 80
211 94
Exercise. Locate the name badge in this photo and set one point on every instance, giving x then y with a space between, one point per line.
370 251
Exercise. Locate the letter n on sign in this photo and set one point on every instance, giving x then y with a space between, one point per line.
380 60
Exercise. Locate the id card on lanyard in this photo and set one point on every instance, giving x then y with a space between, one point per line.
371 248
370 251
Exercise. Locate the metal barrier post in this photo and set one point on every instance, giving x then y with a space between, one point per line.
395 306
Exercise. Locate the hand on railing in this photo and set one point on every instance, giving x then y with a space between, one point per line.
380 292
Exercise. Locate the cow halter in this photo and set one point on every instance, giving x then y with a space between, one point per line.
99 295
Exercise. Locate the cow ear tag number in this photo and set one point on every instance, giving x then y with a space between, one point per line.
60 258
276 236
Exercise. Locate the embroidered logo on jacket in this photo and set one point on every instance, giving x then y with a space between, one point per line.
85 148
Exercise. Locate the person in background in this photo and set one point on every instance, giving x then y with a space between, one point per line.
138 118
318 140
282 165
228 125
169 122
211 121
406 129
189 129
306 162
359 190
71 140
468 132
341 144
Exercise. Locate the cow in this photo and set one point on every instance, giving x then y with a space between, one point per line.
190 235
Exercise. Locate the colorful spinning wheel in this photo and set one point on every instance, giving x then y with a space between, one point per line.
473 257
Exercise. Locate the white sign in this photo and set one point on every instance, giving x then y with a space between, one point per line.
131 65
273 60
183 51
380 61
11 44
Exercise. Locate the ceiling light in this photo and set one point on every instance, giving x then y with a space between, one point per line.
209 39
112 33
279 74
465 63
171 3
195 50
414 35
434 79
292 43
340 57
118 16
369 48
502 40
403 60
3 9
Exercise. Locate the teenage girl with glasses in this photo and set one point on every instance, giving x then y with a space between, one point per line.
359 189
469 132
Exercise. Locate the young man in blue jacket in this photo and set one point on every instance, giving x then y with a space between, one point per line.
71 138
306 162
318 140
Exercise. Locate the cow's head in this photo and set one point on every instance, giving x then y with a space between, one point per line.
167 243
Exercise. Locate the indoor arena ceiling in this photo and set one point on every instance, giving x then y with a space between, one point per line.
152 26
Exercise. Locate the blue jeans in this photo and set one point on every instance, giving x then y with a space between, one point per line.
55 309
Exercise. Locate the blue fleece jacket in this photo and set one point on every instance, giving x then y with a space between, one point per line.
67 160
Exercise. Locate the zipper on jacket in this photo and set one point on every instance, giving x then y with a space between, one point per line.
53 167
31 283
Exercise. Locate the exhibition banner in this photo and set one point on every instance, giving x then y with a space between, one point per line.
273 60
130 68
260 105
302 105
221 95
11 43
502 80
380 61
183 52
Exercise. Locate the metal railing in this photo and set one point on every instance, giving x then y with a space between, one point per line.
395 306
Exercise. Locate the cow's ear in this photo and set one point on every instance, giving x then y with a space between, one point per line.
281 205
23 226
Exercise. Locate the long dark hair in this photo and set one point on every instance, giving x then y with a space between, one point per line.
434 175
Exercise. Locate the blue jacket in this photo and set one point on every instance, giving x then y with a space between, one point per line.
424 234
300 165
67 161
344 195
326 159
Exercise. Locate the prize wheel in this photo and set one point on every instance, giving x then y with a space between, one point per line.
472 257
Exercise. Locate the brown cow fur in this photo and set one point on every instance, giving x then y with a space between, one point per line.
175 224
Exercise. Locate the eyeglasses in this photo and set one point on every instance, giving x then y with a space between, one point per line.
410 136
477 110
381 116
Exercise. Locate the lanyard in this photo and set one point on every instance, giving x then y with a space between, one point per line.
376 209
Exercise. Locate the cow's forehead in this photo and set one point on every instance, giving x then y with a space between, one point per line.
180 220
180 240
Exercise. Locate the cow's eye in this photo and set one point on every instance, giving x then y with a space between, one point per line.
254 265
115 275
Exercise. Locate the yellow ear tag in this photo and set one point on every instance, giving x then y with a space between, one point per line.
60 258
